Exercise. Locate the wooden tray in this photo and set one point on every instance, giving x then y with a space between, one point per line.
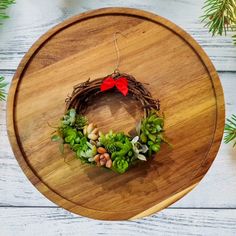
155 51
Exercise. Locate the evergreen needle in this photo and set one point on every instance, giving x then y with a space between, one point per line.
230 130
220 16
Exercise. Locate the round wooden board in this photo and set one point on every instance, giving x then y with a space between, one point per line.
155 51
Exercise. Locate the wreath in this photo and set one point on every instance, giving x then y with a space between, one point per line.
115 151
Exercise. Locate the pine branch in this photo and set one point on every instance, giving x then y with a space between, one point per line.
220 16
4 4
234 39
2 86
230 130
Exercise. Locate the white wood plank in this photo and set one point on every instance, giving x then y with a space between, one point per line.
217 189
56 221
31 18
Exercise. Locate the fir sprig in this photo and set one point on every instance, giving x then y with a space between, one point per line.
230 130
2 86
4 4
220 16
234 39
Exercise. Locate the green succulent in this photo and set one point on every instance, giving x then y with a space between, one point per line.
71 135
73 119
85 150
120 165
70 132
123 150
150 132
79 144
138 149
118 144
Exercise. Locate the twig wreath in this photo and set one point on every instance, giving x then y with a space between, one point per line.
115 151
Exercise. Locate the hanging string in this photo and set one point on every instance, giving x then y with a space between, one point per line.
117 50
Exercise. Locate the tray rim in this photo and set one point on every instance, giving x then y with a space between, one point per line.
19 152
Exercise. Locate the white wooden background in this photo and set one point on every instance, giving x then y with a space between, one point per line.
210 209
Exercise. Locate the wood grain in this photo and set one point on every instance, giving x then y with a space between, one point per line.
212 192
21 30
55 221
150 42
216 190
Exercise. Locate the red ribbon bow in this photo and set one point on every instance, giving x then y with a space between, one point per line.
120 83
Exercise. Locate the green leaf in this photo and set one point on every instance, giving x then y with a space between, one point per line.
143 138
138 127
55 138
152 137
141 157
72 113
156 147
61 148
